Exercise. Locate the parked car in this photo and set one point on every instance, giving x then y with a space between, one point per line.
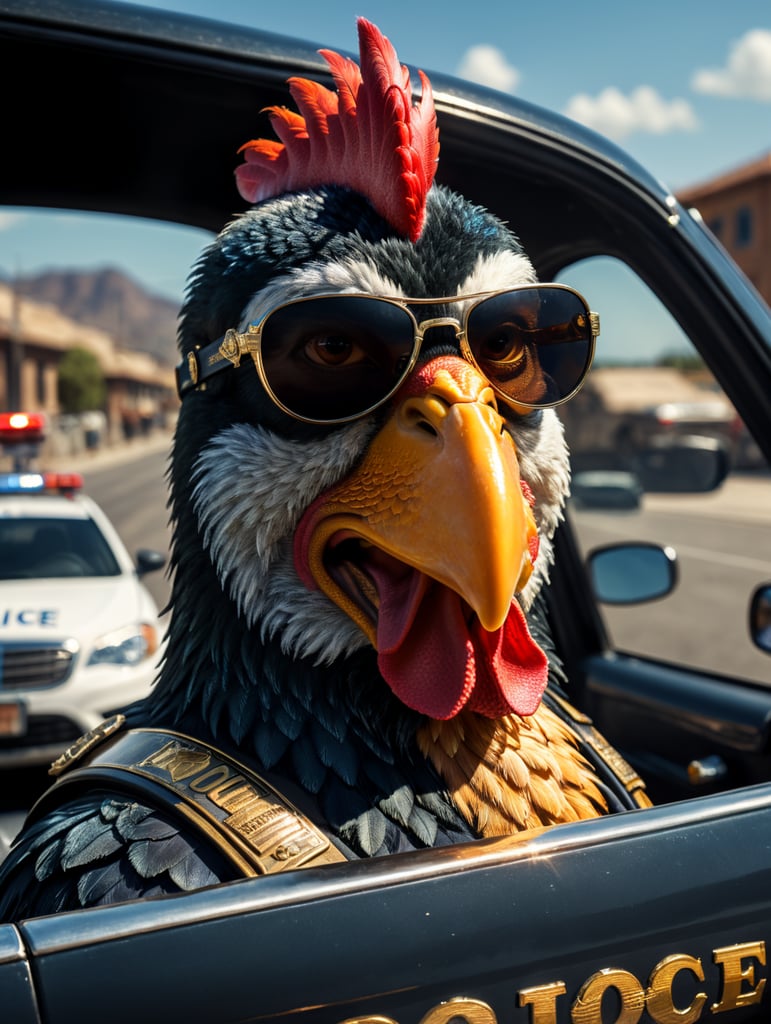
80 634
606 488
667 420
660 914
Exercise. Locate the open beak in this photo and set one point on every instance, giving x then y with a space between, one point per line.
430 534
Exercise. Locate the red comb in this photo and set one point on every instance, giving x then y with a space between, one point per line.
367 136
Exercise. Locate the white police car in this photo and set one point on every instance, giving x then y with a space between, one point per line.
80 634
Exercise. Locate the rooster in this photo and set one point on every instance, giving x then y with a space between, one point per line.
365 481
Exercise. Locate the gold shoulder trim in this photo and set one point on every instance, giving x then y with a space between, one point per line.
247 818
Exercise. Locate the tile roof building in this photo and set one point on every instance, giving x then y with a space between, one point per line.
736 207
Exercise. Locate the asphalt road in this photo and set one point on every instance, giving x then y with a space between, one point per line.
723 545
133 494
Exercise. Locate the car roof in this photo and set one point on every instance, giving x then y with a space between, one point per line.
54 506
140 58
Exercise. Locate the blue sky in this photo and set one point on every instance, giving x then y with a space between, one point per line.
684 86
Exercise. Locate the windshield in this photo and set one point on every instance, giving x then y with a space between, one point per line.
53 548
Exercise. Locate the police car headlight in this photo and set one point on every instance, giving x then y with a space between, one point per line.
125 646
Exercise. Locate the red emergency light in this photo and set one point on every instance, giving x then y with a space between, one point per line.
22 427
65 483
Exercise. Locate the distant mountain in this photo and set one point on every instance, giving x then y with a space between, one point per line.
110 300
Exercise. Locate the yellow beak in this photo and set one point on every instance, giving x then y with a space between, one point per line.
439 491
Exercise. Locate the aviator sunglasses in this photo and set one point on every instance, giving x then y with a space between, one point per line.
334 358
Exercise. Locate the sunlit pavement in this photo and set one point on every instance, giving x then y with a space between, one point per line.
110 455
743 496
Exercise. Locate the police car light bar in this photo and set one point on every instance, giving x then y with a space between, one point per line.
40 483
20 427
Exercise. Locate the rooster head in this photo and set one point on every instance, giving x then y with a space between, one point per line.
367 455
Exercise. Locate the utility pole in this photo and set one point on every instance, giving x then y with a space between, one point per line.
15 350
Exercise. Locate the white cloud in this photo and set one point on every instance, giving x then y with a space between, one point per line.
486 65
613 114
747 73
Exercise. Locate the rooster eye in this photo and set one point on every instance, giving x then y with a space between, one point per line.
332 350
504 347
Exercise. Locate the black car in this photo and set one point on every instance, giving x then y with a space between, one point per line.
658 603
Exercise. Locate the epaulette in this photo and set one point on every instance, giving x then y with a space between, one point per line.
248 819
622 783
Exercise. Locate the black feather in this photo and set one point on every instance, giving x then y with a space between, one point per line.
423 825
189 872
117 850
307 766
90 840
153 857
49 858
242 710
135 822
269 744
398 805
95 887
367 832
335 753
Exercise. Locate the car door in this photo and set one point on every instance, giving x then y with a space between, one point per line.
677 683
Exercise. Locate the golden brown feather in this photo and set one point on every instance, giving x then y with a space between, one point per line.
513 773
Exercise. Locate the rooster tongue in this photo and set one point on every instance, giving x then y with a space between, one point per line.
437 663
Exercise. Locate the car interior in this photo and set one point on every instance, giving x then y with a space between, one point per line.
53 549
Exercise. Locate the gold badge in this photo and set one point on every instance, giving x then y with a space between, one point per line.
86 742
230 349
192 367
272 833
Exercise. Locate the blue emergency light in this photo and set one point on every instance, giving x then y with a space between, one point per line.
40 483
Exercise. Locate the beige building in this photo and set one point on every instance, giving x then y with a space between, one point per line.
33 339
736 206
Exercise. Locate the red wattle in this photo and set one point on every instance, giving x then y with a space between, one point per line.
437 664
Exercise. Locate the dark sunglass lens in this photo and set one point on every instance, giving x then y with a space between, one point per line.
335 357
534 344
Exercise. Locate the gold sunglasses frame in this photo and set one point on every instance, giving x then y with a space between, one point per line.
201 364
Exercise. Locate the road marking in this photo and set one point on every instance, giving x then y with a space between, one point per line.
722 558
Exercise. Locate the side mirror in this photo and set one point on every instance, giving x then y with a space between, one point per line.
632 573
760 618
149 561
